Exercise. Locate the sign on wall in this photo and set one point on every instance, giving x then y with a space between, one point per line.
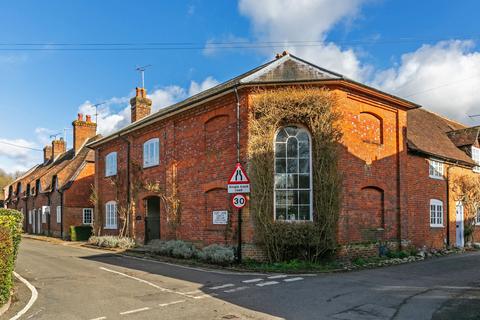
220 217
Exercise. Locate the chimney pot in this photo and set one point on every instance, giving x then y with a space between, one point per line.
80 117
88 118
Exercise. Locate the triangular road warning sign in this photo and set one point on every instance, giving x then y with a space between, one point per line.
238 176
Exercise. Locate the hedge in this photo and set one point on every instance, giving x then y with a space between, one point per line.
10 237
80 233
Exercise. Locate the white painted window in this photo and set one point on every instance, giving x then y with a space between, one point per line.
45 213
111 164
87 215
435 169
111 215
29 216
293 180
436 213
151 153
59 214
476 158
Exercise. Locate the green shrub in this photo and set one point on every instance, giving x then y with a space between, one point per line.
80 233
12 220
7 262
218 254
112 242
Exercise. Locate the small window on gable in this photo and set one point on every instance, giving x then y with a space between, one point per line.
435 169
111 164
151 153
436 213
371 128
476 158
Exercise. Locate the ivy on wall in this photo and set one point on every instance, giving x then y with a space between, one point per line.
314 108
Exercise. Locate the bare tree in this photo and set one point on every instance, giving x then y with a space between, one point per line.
466 189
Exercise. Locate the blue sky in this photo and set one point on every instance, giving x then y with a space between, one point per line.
425 51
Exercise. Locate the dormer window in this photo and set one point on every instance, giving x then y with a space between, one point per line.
28 190
38 186
476 158
435 169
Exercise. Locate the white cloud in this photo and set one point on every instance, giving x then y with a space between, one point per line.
16 155
196 87
443 77
115 113
288 21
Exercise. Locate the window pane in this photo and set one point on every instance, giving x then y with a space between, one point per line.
304 213
292 131
292 166
304 166
304 181
280 150
304 150
290 197
281 213
280 197
280 166
304 197
280 181
292 148
281 136
292 181
303 136
292 213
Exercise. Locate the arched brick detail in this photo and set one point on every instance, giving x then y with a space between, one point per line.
371 128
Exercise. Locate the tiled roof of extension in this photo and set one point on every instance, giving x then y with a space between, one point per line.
65 168
465 137
430 134
285 69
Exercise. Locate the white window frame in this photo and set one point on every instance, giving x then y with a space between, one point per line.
29 216
436 213
151 153
59 214
111 215
45 212
435 169
310 174
91 216
111 164
476 158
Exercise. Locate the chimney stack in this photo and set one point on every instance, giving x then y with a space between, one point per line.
58 147
47 153
82 131
140 105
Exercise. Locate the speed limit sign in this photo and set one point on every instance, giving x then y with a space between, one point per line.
239 201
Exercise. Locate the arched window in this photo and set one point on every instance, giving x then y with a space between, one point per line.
293 179
371 128
111 164
111 215
151 153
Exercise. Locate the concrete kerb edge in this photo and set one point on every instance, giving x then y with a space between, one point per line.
32 300
5 307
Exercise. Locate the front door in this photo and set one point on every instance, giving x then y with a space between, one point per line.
34 223
459 224
152 219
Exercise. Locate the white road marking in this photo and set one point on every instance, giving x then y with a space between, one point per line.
268 283
206 296
222 286
101 318
193 292
278 276
252 280
32 300
235 289
147 282
293 279
170 303
134 311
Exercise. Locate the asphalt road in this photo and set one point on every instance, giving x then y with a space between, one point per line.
81 283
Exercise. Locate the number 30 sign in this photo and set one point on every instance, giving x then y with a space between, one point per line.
239 201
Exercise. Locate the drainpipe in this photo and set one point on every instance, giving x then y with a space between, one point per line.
61 213
239 218
128 183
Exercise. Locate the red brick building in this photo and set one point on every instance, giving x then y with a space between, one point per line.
54 195
194 144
